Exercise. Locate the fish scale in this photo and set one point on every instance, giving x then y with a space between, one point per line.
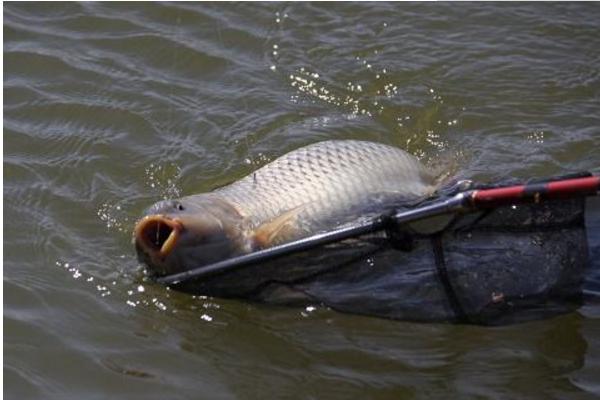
326 178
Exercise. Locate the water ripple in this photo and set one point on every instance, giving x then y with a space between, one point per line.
109 107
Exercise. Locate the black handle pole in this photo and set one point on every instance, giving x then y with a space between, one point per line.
453 204
466 201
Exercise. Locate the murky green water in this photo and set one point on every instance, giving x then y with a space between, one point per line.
111 107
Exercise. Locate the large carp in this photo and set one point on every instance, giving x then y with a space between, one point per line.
308 190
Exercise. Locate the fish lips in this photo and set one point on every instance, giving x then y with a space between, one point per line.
157 236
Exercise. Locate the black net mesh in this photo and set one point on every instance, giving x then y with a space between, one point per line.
507 264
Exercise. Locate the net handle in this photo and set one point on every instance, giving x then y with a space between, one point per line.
469 201
535 192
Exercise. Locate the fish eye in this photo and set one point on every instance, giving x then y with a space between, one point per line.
179 206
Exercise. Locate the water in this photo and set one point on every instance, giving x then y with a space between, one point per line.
111 107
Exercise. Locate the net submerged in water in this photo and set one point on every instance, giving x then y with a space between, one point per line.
504 264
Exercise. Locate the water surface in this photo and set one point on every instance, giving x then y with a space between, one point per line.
110 107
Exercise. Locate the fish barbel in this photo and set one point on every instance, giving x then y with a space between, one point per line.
308 190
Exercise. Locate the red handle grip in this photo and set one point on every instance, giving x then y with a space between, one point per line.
535 192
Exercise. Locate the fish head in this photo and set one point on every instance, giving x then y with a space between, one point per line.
178 235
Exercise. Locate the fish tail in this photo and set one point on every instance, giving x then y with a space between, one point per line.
444 169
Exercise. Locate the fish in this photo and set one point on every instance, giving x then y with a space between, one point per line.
308 190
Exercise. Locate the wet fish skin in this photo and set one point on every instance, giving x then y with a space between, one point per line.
329 175
302 192
207 230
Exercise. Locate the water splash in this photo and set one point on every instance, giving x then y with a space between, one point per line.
141 295
308 310
114 216
77 274
536 137
313 86
162 178
258 161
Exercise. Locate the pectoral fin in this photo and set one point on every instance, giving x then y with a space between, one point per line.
278 229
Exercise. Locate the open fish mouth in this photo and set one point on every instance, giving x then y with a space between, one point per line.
158 235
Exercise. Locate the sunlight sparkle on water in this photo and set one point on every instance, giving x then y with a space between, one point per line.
163 178
536 137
